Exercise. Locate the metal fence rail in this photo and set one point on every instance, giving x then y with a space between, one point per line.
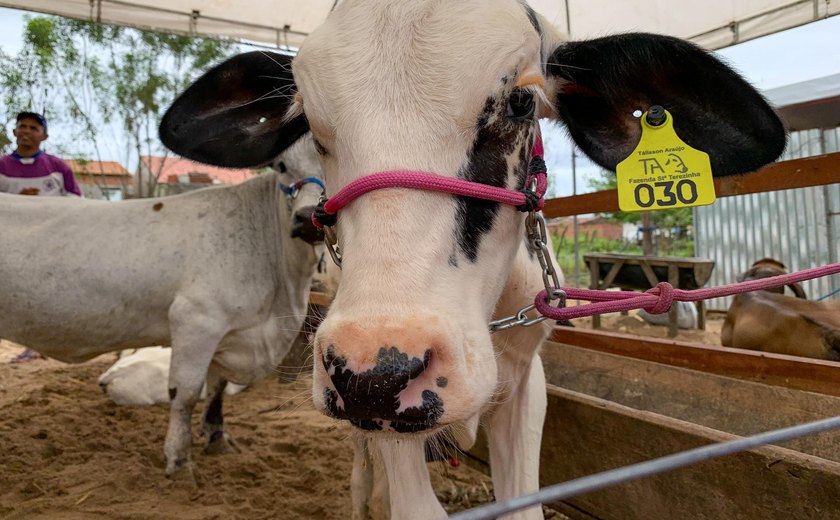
799 226
613 477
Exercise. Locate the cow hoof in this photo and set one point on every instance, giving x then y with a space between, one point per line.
182 471
220 443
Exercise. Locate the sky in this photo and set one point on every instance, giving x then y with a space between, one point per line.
800 54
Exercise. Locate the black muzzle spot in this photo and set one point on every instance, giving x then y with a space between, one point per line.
370 400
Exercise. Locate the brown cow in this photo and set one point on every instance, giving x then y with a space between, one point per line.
771 321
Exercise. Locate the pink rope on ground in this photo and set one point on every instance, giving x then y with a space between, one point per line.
659 299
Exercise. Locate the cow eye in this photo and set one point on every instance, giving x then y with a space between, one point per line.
521 105
319 147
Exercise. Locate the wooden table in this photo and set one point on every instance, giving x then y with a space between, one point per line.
637 272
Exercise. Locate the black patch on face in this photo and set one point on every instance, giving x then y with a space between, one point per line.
535 22
442 382
487 164
371 425
172 393
373 396
532 17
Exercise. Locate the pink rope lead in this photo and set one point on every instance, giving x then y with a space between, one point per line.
656 301
659 299
421 180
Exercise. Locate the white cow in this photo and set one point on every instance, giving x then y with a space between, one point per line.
214 273
141 377
453 87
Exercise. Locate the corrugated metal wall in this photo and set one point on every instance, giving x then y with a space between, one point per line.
794 226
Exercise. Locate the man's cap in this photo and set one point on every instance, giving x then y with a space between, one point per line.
33 115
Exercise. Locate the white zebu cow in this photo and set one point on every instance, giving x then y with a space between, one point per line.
80 278
453 87
141 377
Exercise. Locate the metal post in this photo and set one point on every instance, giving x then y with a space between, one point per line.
830 213
575 219
647 234
568 24
194 22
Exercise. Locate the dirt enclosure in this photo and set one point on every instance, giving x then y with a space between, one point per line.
67 452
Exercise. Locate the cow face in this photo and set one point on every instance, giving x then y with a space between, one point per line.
454 88
297 166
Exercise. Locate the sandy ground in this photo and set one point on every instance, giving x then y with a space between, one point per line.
67 452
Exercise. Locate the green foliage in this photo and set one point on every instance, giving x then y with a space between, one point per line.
5 143
93 77
564 249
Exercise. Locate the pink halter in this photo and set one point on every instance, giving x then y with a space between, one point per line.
524 200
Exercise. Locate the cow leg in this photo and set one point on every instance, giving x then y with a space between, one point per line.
514 434
361 479
194 342
409 485
216 440
368 485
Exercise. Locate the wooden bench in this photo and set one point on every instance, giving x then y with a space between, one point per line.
637 272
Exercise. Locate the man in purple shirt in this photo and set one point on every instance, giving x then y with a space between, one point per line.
28 170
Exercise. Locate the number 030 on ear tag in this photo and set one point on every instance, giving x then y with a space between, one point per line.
663 172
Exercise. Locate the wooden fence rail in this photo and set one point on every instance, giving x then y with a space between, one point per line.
785 175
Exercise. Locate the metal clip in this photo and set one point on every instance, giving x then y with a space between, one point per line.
331 241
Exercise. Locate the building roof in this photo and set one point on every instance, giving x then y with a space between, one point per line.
84 167
175 167
808 104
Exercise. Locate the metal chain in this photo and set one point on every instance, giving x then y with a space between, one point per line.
538 242
331 241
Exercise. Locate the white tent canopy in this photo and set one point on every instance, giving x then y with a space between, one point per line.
284 23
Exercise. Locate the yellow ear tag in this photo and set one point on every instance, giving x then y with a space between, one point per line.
663 172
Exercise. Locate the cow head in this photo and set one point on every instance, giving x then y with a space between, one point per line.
767 267
302 179
455 88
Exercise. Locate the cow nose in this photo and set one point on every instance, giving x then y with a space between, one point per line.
303 228
391 394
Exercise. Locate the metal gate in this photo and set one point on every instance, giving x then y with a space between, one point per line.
799 227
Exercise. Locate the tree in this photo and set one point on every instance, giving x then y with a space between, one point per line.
108 85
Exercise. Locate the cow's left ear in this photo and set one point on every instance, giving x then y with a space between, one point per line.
596 85
235 114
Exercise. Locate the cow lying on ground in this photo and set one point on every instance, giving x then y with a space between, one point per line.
214 273
141 377
771 321
454 88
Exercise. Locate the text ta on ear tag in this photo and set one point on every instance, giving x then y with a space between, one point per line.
663 172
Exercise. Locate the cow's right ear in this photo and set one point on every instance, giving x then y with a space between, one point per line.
235 114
